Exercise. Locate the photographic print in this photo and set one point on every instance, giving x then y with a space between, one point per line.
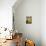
28 19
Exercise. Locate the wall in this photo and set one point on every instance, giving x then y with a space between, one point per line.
43 22
6 13
29 8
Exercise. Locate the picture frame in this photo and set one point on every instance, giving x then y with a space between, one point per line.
28 19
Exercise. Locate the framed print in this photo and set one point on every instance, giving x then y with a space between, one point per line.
28 19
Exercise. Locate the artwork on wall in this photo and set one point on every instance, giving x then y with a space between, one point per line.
28 19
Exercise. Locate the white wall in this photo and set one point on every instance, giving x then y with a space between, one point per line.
6 13
43 22
29 8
